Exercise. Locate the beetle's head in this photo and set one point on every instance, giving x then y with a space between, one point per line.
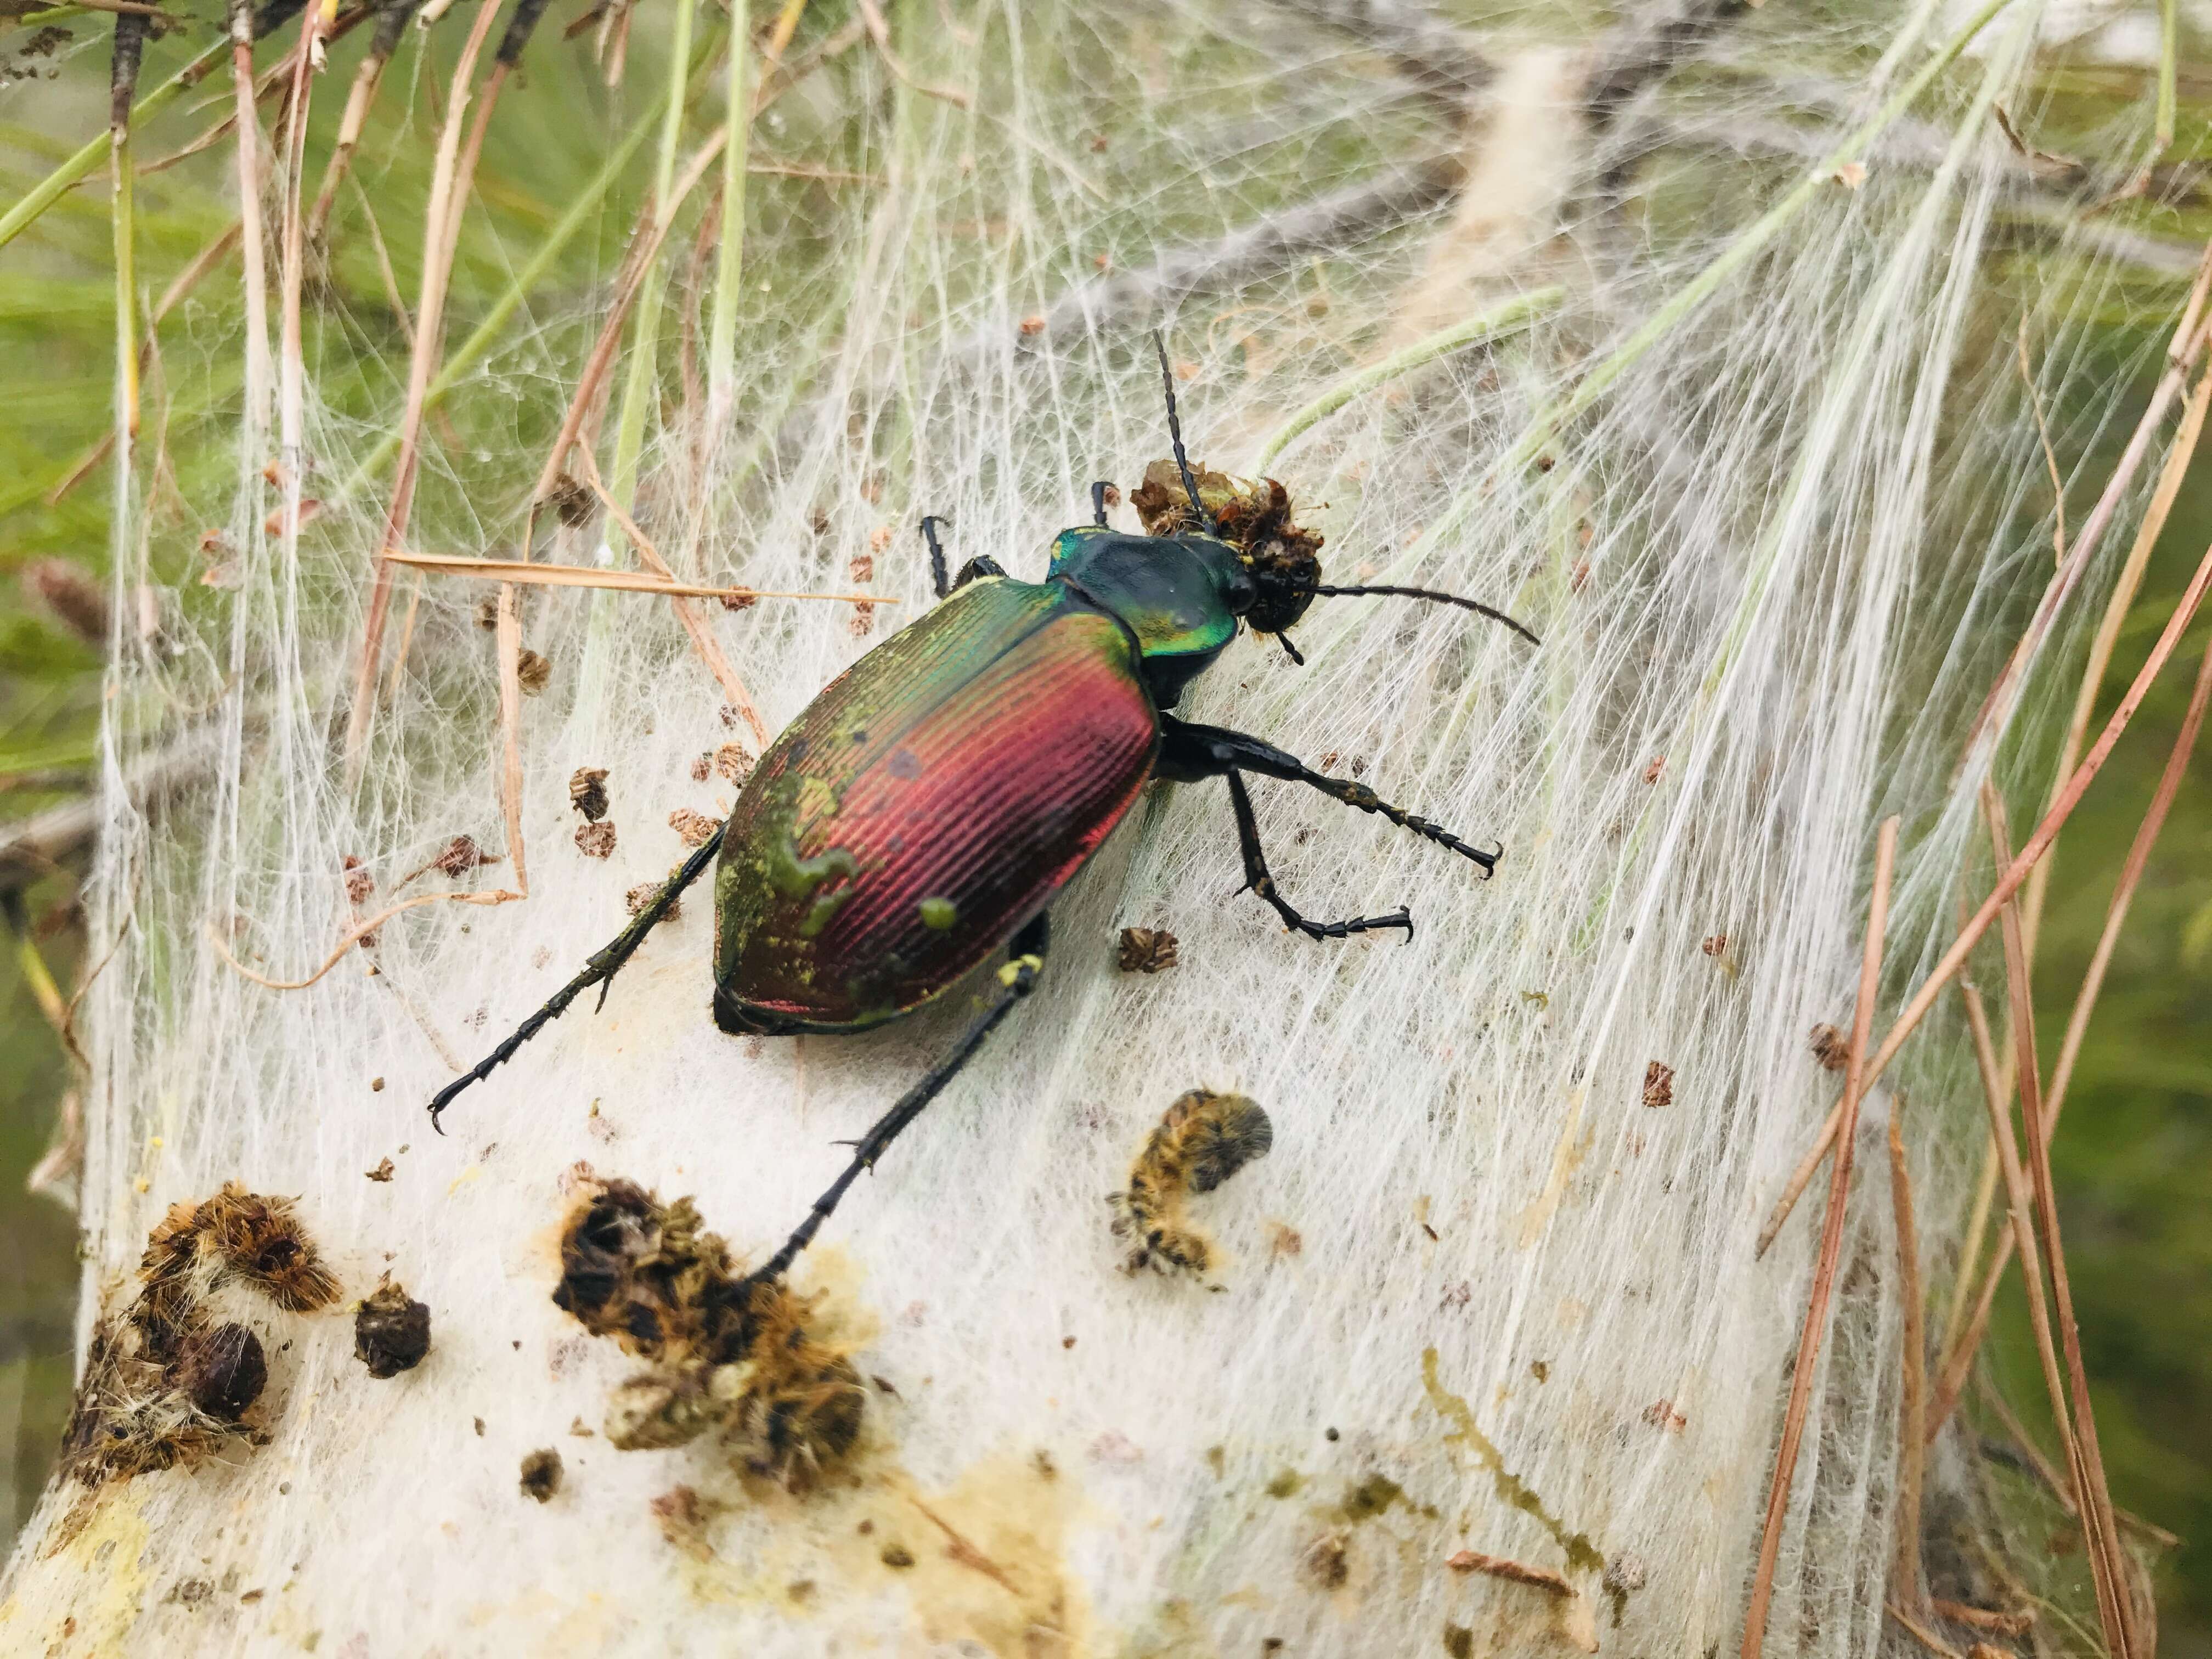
1248 522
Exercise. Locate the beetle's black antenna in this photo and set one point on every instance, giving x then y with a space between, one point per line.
1175 434
1290 650
1325 591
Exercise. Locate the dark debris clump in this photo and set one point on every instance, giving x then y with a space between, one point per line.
744 1361
165 1383
391 1331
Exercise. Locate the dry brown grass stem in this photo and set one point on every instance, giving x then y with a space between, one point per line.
687 612
2008 884
2187 432
361 96
1962 1351
2188 339
1922 1634
1832 1245
636 581
266 85
2146 833
655 221
879 31
1997 1092
291 404
509 641
429 310
2108 1560
2032 1453
2121 601
1906 1582
352 936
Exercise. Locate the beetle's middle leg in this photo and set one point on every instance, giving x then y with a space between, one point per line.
599 969
984 565
1025 961
1188 749
1258 880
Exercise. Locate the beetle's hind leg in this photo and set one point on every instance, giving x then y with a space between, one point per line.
1259 881
1025 961
1099 492
600 969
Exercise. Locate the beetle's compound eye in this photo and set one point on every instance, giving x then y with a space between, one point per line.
1238 590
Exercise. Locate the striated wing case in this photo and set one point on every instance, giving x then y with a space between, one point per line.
931 801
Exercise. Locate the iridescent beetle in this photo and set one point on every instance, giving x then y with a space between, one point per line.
917 818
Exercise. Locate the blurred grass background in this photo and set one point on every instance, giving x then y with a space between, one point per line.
2134 1160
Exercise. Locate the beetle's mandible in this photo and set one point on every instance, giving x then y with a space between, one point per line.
918 816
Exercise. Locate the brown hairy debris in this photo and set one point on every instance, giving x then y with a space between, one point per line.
742 1360
1328 1561
571 500
732 763
693 829
1658 1084
459 857
71 596
642 895
360 884
1146 949
587 792
595 840
163 1384
1204 1139
1830 1048
683 1519
242 1235
391 1331
535 672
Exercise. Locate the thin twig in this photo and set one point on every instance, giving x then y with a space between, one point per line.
1832 1244
687 612
2008 884
249 213
1921 1633
1996 1091
353 935
1907 1583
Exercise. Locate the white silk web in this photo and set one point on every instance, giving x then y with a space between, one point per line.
1757 463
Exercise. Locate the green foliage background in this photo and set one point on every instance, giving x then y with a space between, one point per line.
2133 1160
